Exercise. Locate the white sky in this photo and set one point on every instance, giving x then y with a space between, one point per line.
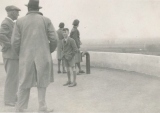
101 19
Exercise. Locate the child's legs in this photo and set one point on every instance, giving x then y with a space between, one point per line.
66 63
73 68
71 64
74 73
63 65
59 63
68 74
79 66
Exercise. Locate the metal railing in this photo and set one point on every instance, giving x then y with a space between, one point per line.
87 61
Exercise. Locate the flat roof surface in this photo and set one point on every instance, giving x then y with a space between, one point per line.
102 91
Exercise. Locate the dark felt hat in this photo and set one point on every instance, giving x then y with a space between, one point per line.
12 8
75 22
33 4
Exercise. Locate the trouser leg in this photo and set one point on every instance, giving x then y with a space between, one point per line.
23 98
74 76
11 83
41 98
63 65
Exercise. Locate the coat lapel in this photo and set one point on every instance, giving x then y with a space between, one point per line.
66 43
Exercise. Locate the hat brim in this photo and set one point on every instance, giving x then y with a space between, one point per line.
38 7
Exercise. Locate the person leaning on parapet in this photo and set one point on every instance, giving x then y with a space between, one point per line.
76 36
69 50
34 39
59 51
10 58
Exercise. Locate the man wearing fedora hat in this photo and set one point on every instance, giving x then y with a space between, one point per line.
34 39
10 58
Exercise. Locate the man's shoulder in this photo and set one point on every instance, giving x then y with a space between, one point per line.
59 31
5 22
46 18
73 29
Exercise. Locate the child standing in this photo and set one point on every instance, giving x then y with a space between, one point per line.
59 50
69 50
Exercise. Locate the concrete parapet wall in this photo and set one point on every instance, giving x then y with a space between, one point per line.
147 64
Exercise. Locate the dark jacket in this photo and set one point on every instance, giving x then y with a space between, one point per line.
76 36
69 48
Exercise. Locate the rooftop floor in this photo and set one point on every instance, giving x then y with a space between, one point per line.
102 91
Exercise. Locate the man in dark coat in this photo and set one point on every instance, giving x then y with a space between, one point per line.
10 58
76 36
34 39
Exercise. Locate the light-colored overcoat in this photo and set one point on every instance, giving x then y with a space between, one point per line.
34 39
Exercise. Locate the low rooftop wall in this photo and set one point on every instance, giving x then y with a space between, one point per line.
147 64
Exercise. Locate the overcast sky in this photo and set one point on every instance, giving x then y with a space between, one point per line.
101 19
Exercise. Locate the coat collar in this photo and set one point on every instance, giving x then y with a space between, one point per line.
9 18
66 40
37 12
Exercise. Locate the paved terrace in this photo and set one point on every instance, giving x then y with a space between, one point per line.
102 91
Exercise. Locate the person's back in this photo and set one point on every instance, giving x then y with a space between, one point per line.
76 36
60 35
32 35
34 39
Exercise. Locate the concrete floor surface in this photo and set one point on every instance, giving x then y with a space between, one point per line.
102 91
